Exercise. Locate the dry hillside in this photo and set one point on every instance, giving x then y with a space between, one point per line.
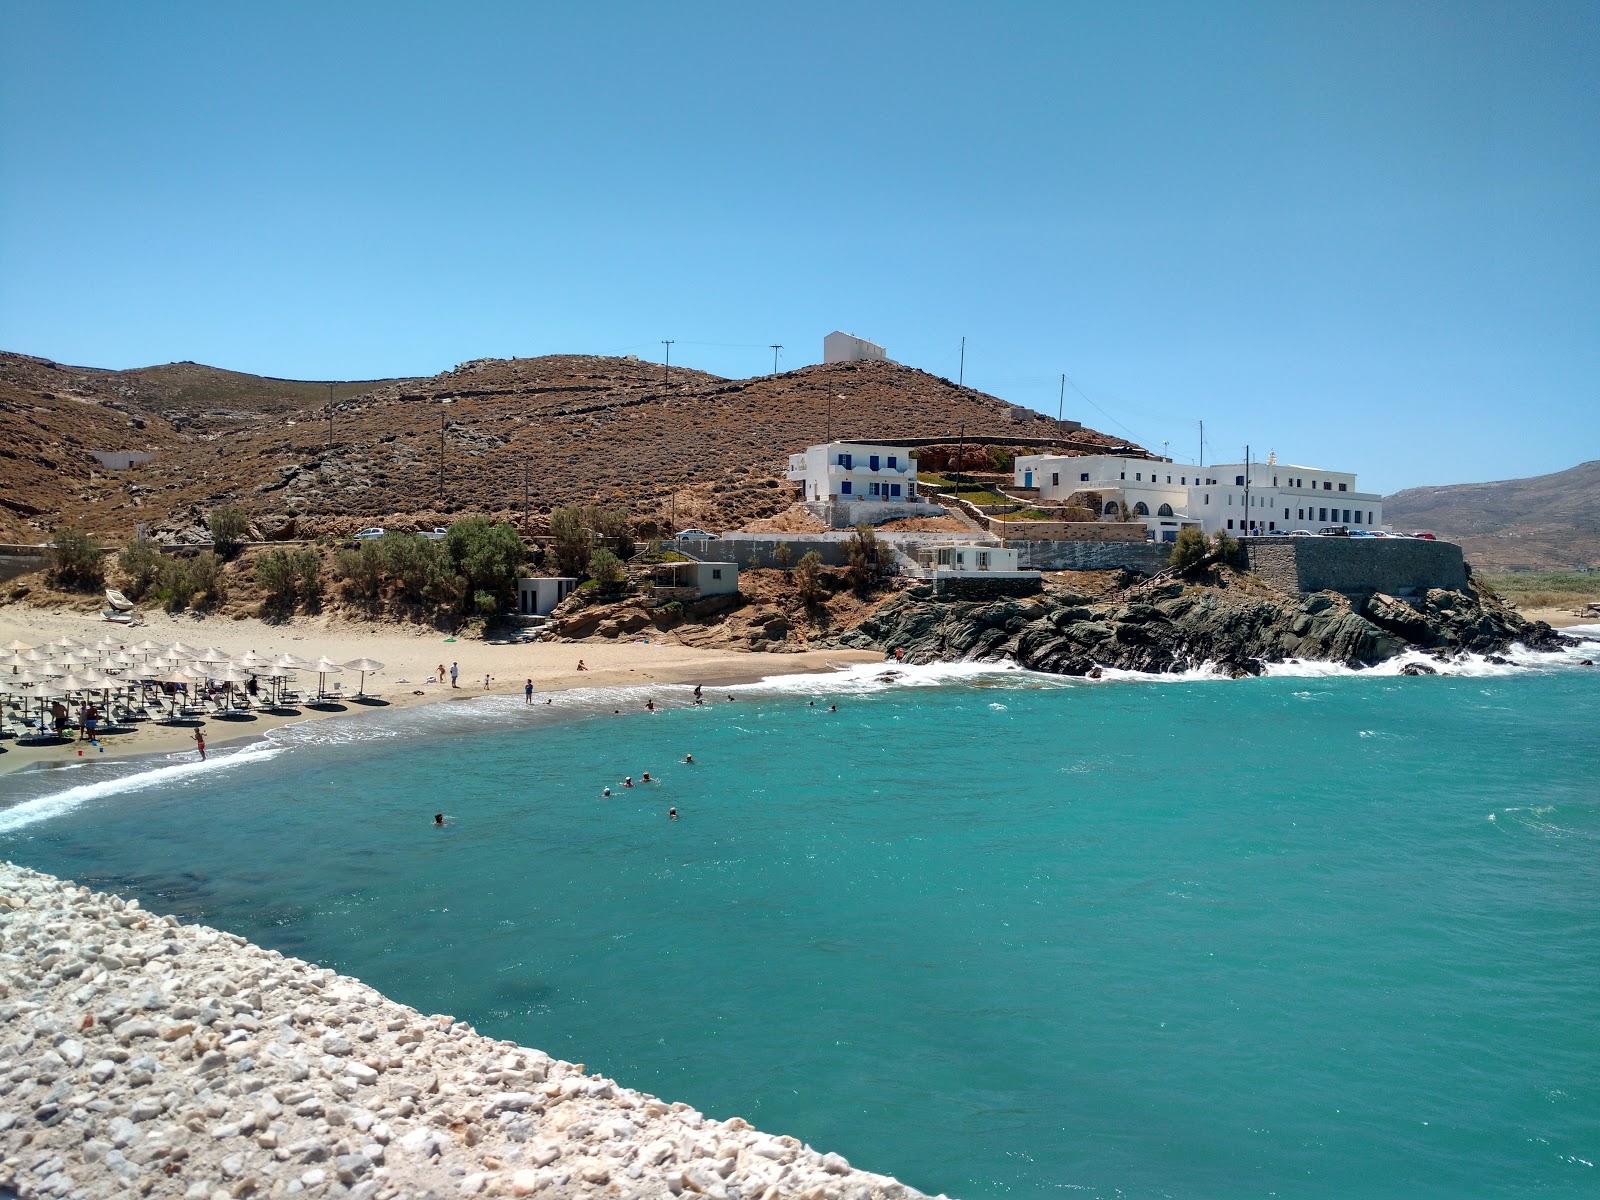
583 428
1545 523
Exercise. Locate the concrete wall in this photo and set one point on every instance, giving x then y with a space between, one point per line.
1069 531
1145 557
1356 566
847 514
740 548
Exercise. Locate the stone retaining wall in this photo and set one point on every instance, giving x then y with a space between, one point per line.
1144 556
142 1057
1356 567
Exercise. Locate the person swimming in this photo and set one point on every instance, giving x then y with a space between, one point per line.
438 818
688 758
833 708
628 782
672 814
650 704
645 778
605 793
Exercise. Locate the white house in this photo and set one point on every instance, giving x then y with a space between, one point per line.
538 596
1168 495
840 347
707 578
854 471
968 556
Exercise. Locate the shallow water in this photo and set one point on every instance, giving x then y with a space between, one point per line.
994 934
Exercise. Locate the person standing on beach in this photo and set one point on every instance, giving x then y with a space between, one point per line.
486 683
439 678
91 723
455 672
200 741
527 692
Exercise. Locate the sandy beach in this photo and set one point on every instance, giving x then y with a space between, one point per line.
410 658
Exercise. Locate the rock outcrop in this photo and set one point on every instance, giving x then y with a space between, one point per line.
1236 625
142 1057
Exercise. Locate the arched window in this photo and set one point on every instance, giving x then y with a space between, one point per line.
1110 509
1164 511
1141 509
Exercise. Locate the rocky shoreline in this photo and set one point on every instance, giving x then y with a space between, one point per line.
1234 622
141 1057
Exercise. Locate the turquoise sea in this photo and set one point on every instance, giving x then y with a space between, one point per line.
1318 934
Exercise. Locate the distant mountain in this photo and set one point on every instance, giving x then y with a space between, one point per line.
695 449
1546 523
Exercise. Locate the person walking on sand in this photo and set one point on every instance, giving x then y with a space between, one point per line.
200 741
455 672
486 683
527 692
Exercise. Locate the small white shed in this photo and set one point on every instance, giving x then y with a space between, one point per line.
538 596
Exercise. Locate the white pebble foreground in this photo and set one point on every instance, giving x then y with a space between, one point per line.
141 1057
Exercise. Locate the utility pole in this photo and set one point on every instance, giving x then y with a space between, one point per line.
1202 443
1164 445
524 495
829 438
961 372
441 458
667 342
330 416
776 346
1247 488
961 453
1061 405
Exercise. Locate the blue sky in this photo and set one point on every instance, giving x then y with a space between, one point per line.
1362 235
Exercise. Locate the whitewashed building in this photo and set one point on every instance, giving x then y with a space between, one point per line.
1166 496
968 556
838 347
855 471
537 596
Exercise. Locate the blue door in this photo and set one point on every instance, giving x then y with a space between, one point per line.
1027 479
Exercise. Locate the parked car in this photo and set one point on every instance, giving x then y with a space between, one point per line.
1301 533
372 533
1333 531
1364 533
696 533
436 534
1425 535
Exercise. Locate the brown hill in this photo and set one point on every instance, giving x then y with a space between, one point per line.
695 449
1545 523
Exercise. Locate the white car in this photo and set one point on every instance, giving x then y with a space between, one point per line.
696 533
371 534
436 534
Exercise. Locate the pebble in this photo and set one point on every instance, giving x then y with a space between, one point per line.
263 1076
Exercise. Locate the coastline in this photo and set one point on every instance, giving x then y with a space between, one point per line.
166 1059
409 657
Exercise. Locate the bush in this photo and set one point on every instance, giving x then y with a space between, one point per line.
1225 548
307 565
228 527
190 582
488 556
607 570
75 561
573 541
276 576
412 561
782 556
808 577
361 569
140 564
485 605
1190 551
612 524
871 561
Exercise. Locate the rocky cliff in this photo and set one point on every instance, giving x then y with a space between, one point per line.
1235 622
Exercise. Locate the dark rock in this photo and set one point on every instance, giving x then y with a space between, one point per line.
1417 669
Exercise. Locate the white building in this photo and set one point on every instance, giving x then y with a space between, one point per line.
968 556
855 471
840 347
707 578
1168 495
538 596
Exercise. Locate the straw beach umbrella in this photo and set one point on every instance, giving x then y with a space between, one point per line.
324 667
366 666
17 647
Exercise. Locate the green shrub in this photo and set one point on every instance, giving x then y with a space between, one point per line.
488 556
485 605
75 561
361 570
1225 548
871 561
276 576
573 543
307 566
1190 551
140 564
808 577
412 561
607 570
782 555
228 527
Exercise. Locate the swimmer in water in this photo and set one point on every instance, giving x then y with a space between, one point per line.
650 704
628 782
833 708
688 758
645 778
605 793
811 703
438 818
672 814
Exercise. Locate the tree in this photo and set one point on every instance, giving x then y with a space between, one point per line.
488 555
1190 551
361 569
808 577
607 570
307 566
412 561
1225 548
782 555
228 527
276 576
140 564
573 541
612 524
871 561
75 561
